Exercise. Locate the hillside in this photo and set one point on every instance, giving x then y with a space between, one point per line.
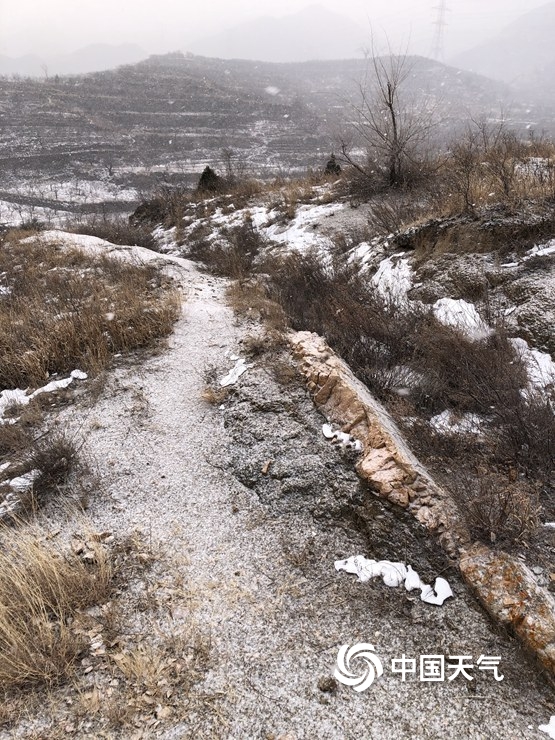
233 472
103 137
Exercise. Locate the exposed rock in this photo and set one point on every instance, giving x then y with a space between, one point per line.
510 593
386 464
508 590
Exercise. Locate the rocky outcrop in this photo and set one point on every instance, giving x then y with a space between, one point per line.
503 584
386 464
511 594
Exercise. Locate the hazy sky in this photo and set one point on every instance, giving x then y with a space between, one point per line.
58 26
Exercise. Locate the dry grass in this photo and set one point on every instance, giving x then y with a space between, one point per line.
42 587
127 664
213 393
66 310
233 255
52 457
250 300
115 229
419 367
499 511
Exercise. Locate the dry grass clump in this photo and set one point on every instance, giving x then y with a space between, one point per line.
250 300
388 346
233 254
65 309
55 458
52 459
116 230
213 393
42 587
498 510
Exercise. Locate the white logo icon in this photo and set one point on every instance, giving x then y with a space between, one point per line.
365 652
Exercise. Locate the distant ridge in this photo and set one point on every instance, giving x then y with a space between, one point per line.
91 58
522 54
312 33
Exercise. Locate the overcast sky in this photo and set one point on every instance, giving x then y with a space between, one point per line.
47 27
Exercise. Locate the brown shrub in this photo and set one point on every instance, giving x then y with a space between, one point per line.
497 510
66 309
116 230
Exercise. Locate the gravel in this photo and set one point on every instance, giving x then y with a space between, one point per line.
258 551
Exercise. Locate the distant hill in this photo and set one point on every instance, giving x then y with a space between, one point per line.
312 33
169 116
92 58
522 54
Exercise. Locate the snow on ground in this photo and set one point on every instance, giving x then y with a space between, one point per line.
94 245
540 366
541 250
75 191
275 628
302 232
14 214
463 316
393 279
19 397
395 574
449 423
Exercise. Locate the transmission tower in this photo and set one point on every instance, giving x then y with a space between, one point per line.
439 35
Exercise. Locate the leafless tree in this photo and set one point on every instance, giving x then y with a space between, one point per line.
393 129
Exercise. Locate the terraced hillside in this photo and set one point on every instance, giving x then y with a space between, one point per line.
99 140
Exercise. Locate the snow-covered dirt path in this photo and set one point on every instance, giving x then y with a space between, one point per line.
265 589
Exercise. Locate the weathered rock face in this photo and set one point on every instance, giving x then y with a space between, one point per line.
504 585
510 593
387 465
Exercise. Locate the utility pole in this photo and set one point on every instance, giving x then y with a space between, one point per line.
439 36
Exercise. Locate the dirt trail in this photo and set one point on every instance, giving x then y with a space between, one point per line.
260 559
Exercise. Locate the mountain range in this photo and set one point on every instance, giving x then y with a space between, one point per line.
313 33
92 58
521 54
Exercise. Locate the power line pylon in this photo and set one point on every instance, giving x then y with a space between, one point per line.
439 36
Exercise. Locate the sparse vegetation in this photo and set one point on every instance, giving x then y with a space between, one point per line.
235 256
116 230
420 367
42 587
64 309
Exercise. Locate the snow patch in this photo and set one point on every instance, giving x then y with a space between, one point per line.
541 250
393 575
463 316
393 280
539 365
235 373
549 729
18 397
448 423
341 438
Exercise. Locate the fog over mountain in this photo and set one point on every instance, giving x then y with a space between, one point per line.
92 58
522 53
312 33
285 30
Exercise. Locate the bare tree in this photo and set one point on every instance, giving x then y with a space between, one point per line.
393 129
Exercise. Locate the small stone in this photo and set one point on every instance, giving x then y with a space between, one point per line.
327 684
